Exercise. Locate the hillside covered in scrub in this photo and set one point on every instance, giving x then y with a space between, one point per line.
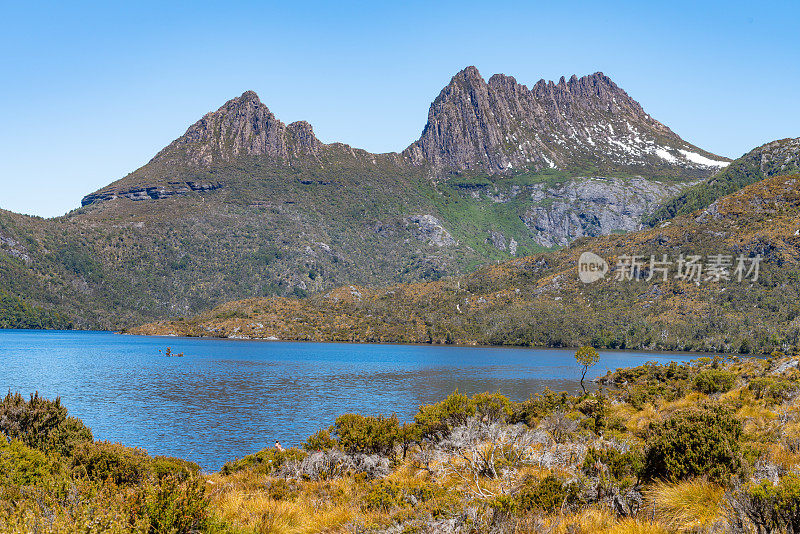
772 159
243 205
539 300
707 446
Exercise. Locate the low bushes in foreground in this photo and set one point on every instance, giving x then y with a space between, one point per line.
707 446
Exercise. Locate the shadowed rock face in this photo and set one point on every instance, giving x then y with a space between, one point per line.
591 207
502 126
150 193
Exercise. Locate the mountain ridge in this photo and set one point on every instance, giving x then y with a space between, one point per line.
243 205
500 125
585 126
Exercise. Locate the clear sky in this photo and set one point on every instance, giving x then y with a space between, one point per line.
90 92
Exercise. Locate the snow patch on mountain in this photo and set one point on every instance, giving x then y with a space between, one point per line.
702 160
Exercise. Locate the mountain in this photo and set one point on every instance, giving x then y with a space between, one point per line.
540 300
243 205
772 159
585 125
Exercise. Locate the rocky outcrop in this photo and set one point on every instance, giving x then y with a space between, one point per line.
502 126
591 207
429 229
243 126
14 248
150 193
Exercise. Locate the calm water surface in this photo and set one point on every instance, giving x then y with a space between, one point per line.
225 398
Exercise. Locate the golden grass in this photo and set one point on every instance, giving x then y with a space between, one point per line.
636 420
591 521
686 506
691 400
758 420
783 457
242 503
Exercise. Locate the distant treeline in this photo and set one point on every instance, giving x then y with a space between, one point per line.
15 313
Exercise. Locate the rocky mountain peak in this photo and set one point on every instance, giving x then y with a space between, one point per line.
243 126
502 126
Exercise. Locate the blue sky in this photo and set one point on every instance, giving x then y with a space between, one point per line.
90 92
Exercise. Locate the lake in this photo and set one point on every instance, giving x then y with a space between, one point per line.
227 398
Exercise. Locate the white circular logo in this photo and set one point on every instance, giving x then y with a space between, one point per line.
591 267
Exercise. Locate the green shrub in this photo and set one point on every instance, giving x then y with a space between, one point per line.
319 441
771 508
264 461
547 495
711 381
23 466
370 435
595 407
111 462
692 443
771 389
42 424
436 420
621 467
538 406
384 496
492 406
168 466
173 505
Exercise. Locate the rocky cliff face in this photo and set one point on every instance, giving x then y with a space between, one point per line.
581 123
592 207
243 126
154 192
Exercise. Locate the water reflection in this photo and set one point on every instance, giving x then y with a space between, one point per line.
225 398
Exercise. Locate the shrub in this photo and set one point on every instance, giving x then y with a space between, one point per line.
111 462
773 390
595 407
770 508
694 442
370 435
547 495
173 505
319 441
42 424
560 426
437 420
492 406
21 465
281 489
711 381
384 496
621 467
264 461
539 406
168 466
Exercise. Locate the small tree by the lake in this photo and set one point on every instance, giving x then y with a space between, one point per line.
586 357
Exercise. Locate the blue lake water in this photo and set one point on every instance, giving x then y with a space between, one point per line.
225 398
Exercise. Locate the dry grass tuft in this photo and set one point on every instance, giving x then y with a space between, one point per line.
686 506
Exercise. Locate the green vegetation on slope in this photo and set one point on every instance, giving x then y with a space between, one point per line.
775 158
539 300
15 313
271 230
